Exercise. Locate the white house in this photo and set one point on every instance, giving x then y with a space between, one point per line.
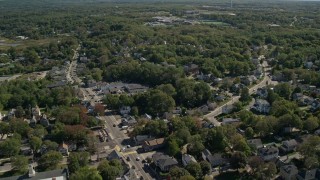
268 153
36 111
187 158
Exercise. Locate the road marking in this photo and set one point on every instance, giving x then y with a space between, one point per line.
128 153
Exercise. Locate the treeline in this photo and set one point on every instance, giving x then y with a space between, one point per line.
31 93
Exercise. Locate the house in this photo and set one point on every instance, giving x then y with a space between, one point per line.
258 73
312 174
308 65
58 174
84 59
153 144
317 132
12 113
288 172
44 121
135 88
91 83
255 143
203 109
206 77
290 129
226 121
227 109
262 93
207 124
130 175
262 106
177 111
140 139
315 105
33 121
220 97
191 69
113 88
248 80
36 111
64 149
297 96
236 88
268 153
302 100
114 155
56 84
164 162
128 121
124 110
187 158
289 145
215 160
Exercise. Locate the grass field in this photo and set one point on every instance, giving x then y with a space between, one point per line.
22 44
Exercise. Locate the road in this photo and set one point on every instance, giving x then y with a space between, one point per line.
9 78
117 136
72 67
264 82
120 138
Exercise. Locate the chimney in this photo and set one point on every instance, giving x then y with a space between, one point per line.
32 172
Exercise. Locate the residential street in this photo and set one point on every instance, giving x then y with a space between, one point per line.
264 82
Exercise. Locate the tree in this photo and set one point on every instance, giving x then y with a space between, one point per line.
51 145
109 171
86 173
187 177
245 96
159 102
19 164
177 172
283 90
195 147
10 147
238 160
19 113
308 147
311 162
194 169
215 140
4 128
249 132
205 167
311 123
50 160
35 143
78 160
173 147
168 89
99 109
134 111
112 101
